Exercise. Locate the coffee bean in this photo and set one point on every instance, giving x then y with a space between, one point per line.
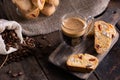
49 45
44 37
9 72
41 46
14 75
10 37
20 73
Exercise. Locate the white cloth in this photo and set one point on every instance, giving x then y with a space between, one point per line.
9 25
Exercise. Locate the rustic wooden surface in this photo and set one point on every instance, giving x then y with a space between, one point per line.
37 67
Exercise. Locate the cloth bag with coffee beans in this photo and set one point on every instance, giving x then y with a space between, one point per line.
9 25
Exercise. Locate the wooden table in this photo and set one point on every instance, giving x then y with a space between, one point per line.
37 67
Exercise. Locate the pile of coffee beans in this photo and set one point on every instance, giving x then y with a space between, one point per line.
24 50
10 38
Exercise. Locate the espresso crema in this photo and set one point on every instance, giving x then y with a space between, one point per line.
73 27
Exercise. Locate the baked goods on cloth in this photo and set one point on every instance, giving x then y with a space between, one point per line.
31 9
82 62
104 34
9 25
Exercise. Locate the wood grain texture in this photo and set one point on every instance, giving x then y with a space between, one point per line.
110 66
111 15
29 68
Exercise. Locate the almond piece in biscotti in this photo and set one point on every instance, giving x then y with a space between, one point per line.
39 3
53 2
48 9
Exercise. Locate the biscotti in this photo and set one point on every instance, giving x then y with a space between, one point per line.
31 9
82 62
53 2
104 34
48 9
32 13
39 3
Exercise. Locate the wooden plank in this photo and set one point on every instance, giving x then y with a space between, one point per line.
114 3
118 25
54 73
29 68
45 44
109 68
93 77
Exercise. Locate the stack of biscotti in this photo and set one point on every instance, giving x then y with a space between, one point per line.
104 34
31 9
82 62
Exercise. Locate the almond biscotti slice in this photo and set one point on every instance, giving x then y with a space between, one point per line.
104 34
82 62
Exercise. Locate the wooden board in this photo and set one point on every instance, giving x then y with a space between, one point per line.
61 54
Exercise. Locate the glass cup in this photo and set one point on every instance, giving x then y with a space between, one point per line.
75 27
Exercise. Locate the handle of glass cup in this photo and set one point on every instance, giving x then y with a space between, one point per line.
89 27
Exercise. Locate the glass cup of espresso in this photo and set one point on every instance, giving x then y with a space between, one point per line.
75 28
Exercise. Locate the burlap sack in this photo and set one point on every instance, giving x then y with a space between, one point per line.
44 25
9 25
